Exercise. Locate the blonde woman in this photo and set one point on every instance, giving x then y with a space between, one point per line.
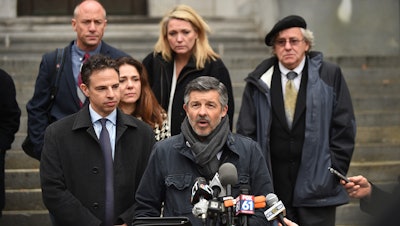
181 54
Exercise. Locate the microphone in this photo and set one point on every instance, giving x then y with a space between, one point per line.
228 177
201 192
200 209
215 206
244 205
216 186
276 209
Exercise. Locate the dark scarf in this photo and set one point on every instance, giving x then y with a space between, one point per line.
205 152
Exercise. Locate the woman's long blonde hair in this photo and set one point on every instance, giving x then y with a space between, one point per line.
202 50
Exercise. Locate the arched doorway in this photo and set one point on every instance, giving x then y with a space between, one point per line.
66 7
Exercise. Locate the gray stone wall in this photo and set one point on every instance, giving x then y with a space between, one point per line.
206 8
8 8
367 27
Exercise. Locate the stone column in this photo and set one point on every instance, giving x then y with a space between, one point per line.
8 8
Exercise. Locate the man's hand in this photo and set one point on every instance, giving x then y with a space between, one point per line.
288 222
358 187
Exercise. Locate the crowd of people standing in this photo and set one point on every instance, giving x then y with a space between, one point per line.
122 138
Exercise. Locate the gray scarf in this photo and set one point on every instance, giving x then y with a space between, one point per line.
205 152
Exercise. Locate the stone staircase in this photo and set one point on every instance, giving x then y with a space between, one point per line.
374 83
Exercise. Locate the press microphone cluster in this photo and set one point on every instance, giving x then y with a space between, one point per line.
214 202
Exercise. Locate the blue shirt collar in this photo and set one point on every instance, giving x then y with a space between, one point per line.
81 53
112 117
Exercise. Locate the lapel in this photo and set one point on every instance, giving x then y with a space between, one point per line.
83 120
301 97
105 50
123 121
69 76
278 106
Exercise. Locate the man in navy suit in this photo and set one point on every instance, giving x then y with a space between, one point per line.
73 170
89 22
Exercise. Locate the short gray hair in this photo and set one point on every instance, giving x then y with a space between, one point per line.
207 83
308 37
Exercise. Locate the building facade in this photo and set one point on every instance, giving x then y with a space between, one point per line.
341 27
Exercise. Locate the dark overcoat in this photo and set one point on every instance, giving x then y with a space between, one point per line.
72 168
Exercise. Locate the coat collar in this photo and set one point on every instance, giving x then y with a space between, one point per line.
83 119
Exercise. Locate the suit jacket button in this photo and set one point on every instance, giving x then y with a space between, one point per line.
95 205
95 170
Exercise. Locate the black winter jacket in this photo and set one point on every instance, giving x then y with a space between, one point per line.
160 78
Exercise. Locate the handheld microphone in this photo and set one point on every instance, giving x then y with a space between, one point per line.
276 209
200 189
201 192
228 177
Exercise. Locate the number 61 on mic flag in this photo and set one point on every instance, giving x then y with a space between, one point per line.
245 204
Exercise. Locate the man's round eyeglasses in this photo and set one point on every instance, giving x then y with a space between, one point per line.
292 42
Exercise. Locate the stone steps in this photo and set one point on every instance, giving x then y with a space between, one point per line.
23 180
25 218
135 38
365 92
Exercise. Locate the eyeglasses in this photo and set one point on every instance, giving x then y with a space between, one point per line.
292 42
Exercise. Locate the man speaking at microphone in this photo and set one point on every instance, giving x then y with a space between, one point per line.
204 144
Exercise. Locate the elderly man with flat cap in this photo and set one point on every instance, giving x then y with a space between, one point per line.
298 108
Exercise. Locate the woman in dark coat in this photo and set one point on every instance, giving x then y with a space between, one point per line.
181 54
